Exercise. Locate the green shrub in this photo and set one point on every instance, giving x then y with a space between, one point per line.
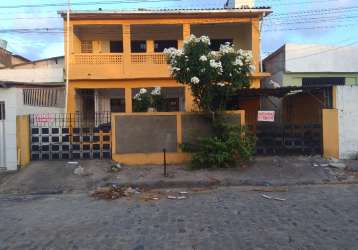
231 145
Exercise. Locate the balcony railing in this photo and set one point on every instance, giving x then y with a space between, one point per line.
145 58
100 58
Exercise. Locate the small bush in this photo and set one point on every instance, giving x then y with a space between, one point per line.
230 146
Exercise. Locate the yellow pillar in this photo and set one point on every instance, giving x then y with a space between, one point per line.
189 100
255 43
150 46
71 100
126 29
128 100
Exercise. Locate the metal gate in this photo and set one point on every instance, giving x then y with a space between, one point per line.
289 139
70 136
2 136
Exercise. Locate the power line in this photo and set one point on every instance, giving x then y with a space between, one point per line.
83 4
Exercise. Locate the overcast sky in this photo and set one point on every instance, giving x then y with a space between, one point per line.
293 21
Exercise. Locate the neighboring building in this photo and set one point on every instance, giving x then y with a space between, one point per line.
115 53
8 59
306 67
321 86
27 88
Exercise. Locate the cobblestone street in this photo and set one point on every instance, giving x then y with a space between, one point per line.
312 217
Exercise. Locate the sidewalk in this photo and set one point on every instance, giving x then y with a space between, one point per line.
58 176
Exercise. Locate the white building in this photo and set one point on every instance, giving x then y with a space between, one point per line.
331 69
27 88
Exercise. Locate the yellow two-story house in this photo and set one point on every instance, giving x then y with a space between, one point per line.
112 54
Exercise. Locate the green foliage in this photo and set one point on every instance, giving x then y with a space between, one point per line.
230 146
145 99
213 76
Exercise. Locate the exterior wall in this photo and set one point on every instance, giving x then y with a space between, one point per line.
347 106
22 109
9 97
166 129
37 72
330 133
321 58
23 140
295 79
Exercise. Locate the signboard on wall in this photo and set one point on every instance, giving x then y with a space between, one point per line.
266 116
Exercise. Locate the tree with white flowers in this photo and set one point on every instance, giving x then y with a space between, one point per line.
213 76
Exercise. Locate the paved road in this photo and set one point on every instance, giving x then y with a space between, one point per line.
228 218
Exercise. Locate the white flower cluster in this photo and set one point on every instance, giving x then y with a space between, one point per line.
203 58
226 48
142 91
194 39
220 84
216 65
156 91
173 53
195 80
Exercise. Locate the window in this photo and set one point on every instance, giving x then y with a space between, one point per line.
159 46
323 81
139 46
86 46
116 46
117 105
44 97
216 43
2 111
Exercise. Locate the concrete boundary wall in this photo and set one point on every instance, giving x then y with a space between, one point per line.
138 138
347 105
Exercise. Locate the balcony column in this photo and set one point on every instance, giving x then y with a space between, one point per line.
150 46
186 34
128 99
189 99
126 30
255 43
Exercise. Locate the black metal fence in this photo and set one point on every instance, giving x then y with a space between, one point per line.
289 139
70 136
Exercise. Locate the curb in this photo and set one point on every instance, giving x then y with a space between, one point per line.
188 184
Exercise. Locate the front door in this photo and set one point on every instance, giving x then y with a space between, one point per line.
2 136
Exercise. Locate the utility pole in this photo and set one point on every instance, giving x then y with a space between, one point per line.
67 51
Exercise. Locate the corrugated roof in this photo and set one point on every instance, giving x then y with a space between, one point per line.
244 9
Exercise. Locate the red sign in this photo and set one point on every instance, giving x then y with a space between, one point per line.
266 116
43 118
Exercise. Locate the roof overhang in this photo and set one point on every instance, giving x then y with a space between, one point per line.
11 84
168 13
279 92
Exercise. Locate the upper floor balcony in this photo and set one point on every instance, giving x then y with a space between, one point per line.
131 51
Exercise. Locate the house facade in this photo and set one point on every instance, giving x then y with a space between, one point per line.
112 54
35 87
308 66
324 84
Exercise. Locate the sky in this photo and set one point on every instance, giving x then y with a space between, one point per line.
292 21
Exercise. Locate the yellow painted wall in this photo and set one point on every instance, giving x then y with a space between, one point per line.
330 133
157 158
23 140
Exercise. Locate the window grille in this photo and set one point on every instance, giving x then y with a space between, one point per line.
44 97
86 46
